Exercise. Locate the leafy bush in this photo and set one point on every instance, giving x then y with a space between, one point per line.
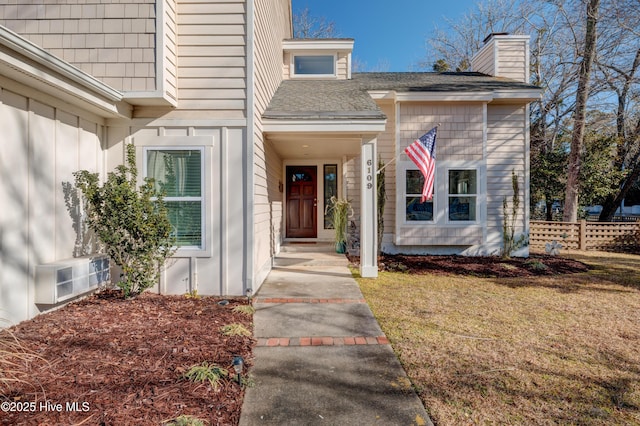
131 222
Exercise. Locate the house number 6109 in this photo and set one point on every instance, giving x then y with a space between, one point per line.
369 175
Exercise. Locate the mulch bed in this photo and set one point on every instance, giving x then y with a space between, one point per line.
487 266
122 362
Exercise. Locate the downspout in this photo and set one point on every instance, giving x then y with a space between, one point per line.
249 153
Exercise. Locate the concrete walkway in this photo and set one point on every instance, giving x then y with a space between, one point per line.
321 357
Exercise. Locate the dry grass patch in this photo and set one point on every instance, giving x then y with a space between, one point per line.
535 350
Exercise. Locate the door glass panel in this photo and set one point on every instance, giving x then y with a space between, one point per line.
330 190
301 177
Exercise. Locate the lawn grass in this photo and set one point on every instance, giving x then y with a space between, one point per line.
545 350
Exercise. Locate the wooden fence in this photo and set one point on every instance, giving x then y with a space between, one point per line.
608 236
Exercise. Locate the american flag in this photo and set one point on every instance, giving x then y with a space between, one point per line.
423 153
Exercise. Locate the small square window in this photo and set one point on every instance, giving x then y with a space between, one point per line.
314 65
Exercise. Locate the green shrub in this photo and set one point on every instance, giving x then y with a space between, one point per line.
244 309
186 420
131 222
235 330
206 372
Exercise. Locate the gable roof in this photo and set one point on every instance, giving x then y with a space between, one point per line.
349 99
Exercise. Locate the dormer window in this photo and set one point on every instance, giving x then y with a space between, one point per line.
317 58
314 65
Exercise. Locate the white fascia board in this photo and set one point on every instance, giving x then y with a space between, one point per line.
180 122
382 94
26 48
324 126
445 96
526 95
318 44
150 97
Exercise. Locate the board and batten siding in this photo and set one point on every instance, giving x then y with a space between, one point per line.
43 142
112 41
211 59
217 268
271 27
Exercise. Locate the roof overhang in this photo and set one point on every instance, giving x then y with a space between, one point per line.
511 95
324 126
28 64
329 44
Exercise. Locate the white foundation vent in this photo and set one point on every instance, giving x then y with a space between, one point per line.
66 279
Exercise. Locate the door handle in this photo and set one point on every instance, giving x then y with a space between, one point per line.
315 202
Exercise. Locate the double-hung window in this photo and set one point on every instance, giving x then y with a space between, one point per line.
178 172
463 195
416 211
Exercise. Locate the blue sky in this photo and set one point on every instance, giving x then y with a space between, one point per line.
387 32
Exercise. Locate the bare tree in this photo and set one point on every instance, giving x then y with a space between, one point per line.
452 46
305 25
558 29
619 71
573 174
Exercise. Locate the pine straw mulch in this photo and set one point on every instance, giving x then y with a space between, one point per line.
122 361
479 266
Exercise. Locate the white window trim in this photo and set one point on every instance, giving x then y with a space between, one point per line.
441 195
475 195
293 65
203 143
201 198
403 182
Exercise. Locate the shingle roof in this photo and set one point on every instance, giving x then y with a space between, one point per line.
326 99
435 82
346 99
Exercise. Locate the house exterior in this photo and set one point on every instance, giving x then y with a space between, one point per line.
254 130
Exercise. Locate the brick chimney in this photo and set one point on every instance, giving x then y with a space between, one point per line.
504 55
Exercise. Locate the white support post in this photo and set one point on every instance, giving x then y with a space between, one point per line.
368 210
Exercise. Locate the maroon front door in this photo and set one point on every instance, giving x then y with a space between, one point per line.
302 201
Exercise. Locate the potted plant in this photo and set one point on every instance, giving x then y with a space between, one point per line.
339 210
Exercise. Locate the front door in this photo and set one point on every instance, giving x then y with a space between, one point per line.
302 201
